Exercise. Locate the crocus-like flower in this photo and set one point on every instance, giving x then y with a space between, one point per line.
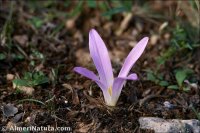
110 86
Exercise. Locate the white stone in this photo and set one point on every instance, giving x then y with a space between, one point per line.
170 125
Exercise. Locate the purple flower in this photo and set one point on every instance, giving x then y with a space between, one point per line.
110 86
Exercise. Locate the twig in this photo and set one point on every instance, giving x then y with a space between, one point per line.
149 97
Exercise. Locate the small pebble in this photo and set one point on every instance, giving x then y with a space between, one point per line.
10 77
168 105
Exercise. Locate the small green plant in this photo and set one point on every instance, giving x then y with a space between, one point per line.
7 41
31 79
119 7
54 76
31 100
14 56
196 113
182 44
2 56
36 22
181 75
179 42
37 55
156 78
7 30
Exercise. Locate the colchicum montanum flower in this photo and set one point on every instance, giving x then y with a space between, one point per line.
110 86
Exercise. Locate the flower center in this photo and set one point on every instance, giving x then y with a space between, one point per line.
110 90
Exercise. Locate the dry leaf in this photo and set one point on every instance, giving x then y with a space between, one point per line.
75 98
70 23
72 114
67 86
124 23
83 128
154 39
163 26
11 125
21 39
26 90
83 57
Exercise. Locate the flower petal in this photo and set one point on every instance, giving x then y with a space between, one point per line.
116 90
132 76
89 74
118 85
101 58
133 56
